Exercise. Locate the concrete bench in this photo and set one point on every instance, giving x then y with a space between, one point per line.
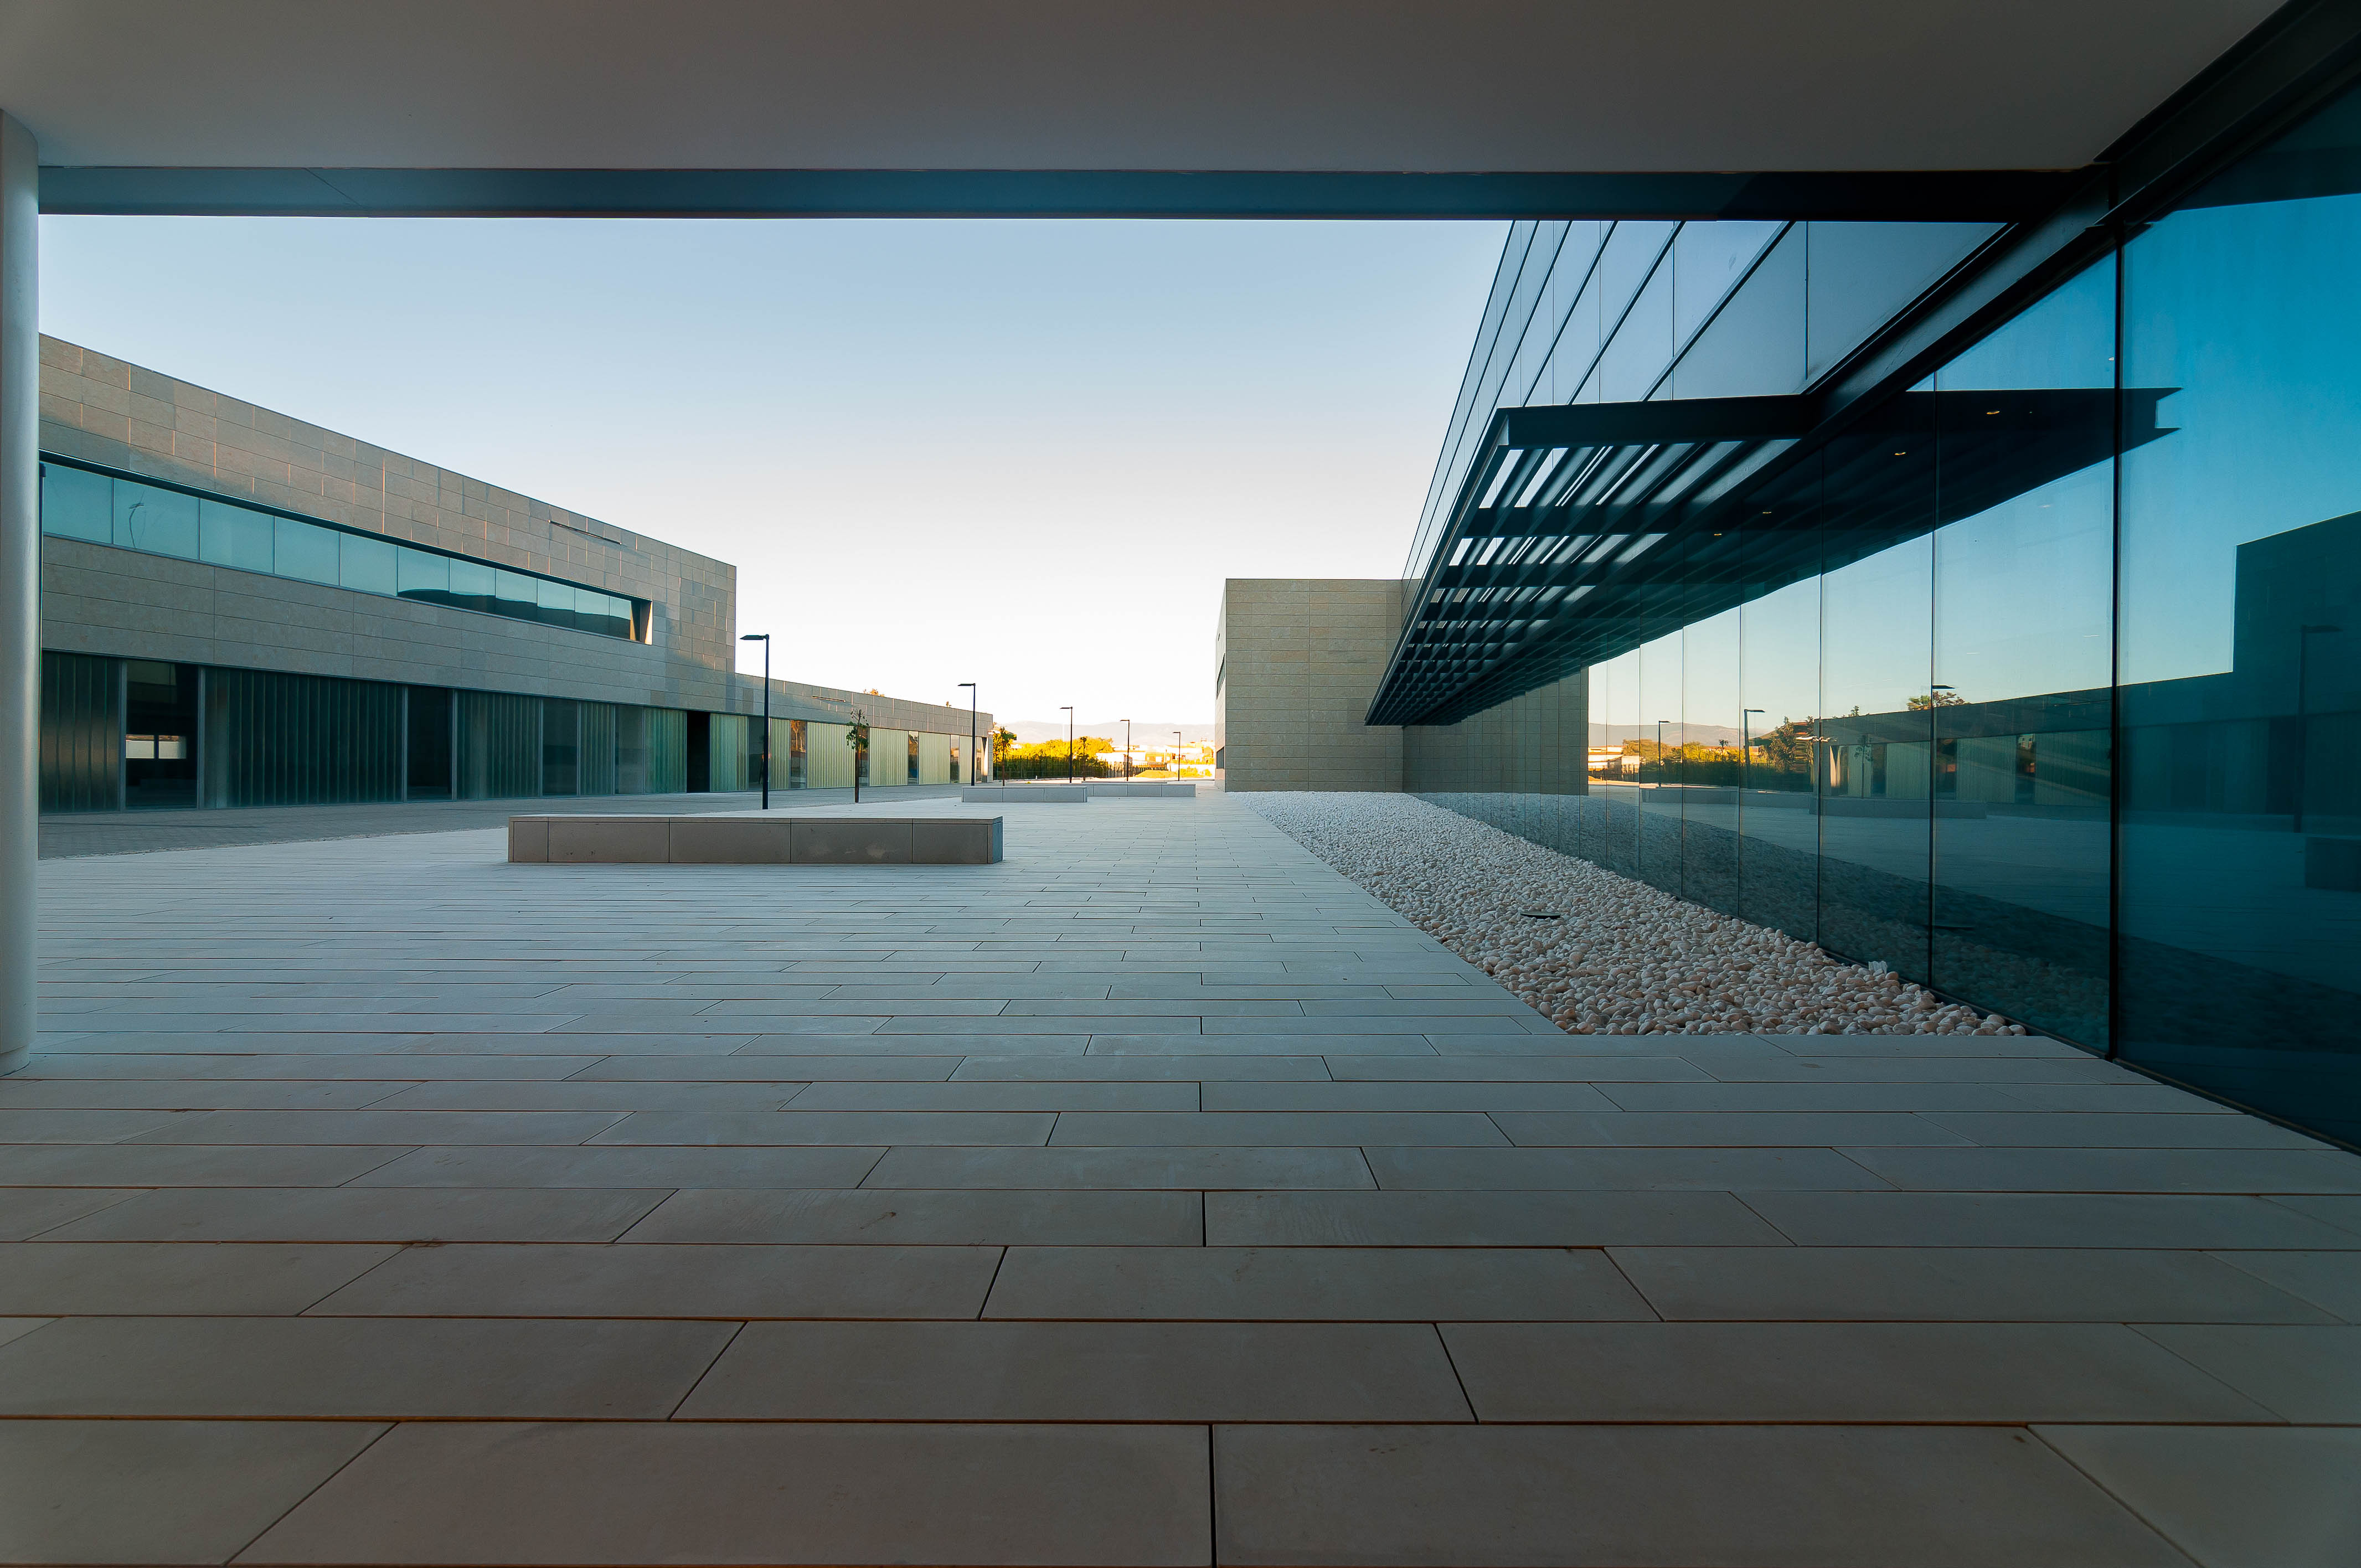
1026 794
1183 790
775 840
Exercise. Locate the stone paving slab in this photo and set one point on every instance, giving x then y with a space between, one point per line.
1152 1195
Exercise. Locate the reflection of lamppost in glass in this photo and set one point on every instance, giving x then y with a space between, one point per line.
2304 636
971 731
1070 741
765 639
1660 751
1745 749
1176 755
1127 751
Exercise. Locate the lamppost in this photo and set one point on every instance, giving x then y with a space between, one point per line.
765 639
1660 751
1127 751
1070 741
971 731
2304 636
1745 749
1176 754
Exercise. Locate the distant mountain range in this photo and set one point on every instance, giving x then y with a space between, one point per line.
1143 731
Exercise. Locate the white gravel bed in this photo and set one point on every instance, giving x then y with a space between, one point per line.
1620 958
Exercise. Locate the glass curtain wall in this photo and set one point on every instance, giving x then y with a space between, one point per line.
499 750
2082 745
2239 916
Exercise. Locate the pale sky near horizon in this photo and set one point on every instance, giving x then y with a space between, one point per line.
1022 452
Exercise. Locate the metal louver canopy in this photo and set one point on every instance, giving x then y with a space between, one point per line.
1582 530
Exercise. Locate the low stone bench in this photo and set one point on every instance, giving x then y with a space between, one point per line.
1026 794
769 841
1183 790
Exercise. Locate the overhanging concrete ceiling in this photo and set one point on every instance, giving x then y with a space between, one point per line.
516 89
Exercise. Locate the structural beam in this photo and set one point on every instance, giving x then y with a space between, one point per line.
21 584
1893 195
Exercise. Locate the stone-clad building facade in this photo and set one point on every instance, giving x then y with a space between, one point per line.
185 664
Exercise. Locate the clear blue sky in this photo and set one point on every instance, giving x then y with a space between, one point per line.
1019 453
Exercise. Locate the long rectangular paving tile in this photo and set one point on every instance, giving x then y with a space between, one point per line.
316 1127
199 1164
1721 1129
562 1281
1956 1284
1483 1219
2117 1171
970 1095
1951 1372
1260 1045
186 1094
2330 1280
158 1492
963 1218
1328 1097
1601 1169
714 1128
367 1214
2041 1219
1081 1372
348 1368
2098 1129
1556 1069
1140 1069
1276 1129
281 1063
764 1068
1122 1497
623 1167
1118 1168
575 1094
144 1278
1731 1496
1714 1096
1365 1283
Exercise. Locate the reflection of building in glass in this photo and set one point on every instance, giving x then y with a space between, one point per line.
2033 672
274 614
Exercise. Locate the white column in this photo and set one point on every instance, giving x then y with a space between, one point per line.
20 583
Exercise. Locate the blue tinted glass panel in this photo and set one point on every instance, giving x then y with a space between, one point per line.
77 505
419 575
2239 923
236 536
1708 761
1707 261
516 595
472 586
1779 677
2022 704
1754 347
556 603
304 551
161 523
1641 348
366 565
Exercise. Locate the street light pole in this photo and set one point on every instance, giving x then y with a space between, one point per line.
765 639
1660 751
1745 748
1127 751
971 732
1070 741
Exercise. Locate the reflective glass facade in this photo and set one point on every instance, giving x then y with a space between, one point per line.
100 507
2074 732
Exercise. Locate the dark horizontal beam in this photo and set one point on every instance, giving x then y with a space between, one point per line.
1945 195
1690 420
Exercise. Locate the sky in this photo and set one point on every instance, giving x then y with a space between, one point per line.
1020 452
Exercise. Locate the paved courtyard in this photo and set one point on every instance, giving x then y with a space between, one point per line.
1153 1197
